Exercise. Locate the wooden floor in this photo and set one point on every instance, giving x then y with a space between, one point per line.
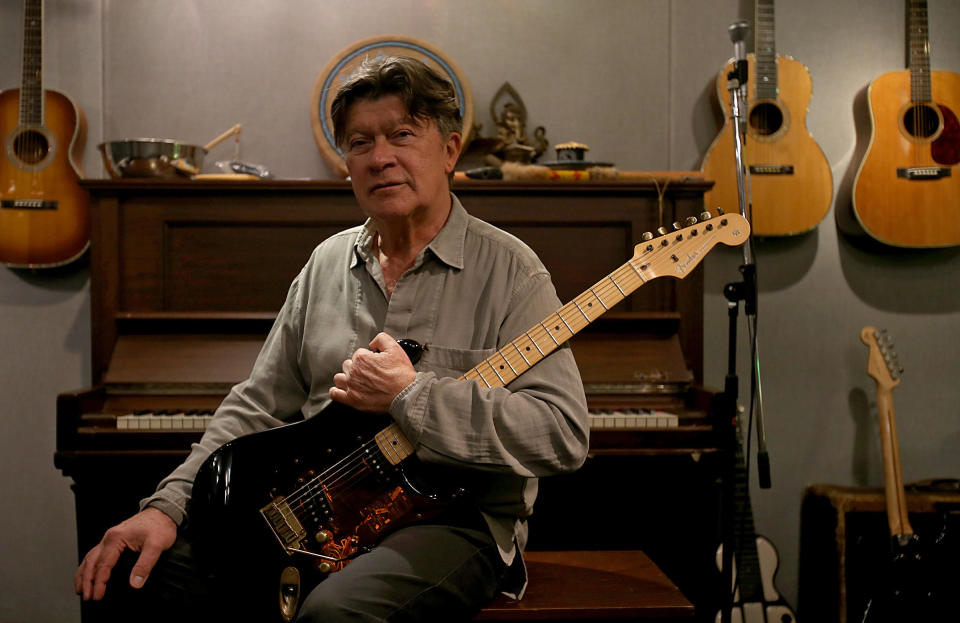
592 586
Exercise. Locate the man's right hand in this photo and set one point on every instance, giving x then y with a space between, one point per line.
150 532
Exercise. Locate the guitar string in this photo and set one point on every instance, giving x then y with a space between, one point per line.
352 466
349 462
604 291
347 470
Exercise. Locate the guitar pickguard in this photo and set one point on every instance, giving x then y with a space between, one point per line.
946 148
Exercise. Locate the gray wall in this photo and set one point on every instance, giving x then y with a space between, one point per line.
633 79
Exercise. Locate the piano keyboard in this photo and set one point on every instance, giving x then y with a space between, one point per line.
632 418
196 420
193 420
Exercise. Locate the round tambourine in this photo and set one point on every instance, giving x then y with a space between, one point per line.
346 62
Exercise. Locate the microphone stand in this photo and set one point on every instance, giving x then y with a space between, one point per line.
745 291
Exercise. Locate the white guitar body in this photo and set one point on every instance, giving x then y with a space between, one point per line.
773 609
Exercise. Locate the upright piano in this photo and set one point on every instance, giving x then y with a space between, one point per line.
186 279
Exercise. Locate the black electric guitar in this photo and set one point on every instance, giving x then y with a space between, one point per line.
906 591
756 599
278 510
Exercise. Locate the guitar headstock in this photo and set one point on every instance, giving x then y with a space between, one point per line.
882 363
677 252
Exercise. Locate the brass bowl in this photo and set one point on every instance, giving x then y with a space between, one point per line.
151 157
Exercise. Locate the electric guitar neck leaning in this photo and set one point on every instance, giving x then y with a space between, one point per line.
884 367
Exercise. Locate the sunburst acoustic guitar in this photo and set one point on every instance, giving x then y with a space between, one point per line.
44 214
906 193
790 179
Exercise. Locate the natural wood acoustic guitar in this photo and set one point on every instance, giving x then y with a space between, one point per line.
789 177
906 193
44 214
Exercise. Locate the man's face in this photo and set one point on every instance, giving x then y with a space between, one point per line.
398 165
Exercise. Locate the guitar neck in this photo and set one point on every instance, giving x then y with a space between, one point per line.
553 331
31 89
918 52
896 497
674 255
748 577
765 50
884 367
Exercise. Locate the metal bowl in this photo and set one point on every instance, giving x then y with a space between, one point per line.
151 157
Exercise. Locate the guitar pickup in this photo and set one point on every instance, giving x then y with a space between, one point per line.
771 169
923 173
28 204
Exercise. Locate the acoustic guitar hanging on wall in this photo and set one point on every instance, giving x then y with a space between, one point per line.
906 193
790 178
44 214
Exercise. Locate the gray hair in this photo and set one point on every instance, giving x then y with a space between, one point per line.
426 94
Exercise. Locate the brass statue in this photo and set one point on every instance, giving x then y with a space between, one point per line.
512 143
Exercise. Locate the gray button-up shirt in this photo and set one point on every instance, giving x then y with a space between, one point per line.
471 291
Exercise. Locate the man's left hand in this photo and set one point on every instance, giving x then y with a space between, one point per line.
373 377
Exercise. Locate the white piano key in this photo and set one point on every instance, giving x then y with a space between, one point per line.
632 419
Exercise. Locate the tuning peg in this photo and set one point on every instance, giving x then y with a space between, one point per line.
690 220
662 231
676 226
719 211
647 236
705 216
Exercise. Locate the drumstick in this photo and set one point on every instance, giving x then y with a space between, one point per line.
234 130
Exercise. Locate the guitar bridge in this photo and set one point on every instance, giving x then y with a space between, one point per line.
923 173
284 523
28 204
771 169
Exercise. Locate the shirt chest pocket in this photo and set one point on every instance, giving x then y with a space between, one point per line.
445 361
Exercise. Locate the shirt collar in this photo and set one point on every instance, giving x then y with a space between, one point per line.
447 245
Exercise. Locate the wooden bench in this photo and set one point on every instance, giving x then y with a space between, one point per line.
594 586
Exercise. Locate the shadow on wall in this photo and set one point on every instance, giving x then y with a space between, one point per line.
55 283
707 119
903 280
889 278
51 287
865 458
781 262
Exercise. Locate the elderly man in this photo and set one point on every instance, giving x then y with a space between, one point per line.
419 268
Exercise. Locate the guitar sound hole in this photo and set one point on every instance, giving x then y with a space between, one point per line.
31 147
766 119
921 120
